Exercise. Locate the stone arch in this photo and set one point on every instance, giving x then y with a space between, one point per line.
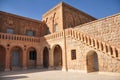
57 56
45 57
2 57
16 57
31 57
92 61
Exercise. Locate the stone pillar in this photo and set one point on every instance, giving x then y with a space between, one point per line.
7 60
39 60
24 60
114 52
64 61
51 59
64 55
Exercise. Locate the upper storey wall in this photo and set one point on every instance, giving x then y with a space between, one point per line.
20 24
73 17
65 16
106 29
52 18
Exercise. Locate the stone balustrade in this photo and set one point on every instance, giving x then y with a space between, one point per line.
55 35
95 43
5 36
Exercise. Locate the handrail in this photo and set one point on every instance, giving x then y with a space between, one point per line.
97 44
54 35
6 36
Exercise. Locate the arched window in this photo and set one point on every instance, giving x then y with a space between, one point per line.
47 31
55 27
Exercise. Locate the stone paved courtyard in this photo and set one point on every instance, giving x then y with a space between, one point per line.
36 74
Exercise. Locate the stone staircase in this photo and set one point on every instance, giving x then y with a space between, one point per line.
110 50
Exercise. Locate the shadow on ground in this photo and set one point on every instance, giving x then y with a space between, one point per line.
4 75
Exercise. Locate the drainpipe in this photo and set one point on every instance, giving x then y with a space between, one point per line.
65 51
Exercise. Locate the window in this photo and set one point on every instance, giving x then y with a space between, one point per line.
69 26
32 55
30 33
47 31
56 28
10 31
73 54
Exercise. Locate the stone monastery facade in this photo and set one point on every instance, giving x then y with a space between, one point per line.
66 39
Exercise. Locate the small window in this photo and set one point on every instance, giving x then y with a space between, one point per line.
47 31
73 54
10 31
69 26
30 33
32 55
56 28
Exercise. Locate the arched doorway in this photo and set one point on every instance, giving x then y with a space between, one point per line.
92 61
2 58
45 58
57 57
32 57
16 58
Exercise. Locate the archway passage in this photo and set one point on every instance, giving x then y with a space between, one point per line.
57 57
16 58
92 61
2 58
32 57
45 58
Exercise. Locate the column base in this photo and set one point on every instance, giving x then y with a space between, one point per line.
64 68
24 68
51 67
39 67
7 70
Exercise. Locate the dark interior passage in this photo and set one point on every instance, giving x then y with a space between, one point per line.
45 58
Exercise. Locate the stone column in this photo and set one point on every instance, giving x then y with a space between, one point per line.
64 61
64 55
39 60
7 60
51 59
24 60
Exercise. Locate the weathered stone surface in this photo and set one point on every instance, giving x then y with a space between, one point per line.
97 43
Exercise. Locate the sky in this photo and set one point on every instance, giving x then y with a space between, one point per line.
36 8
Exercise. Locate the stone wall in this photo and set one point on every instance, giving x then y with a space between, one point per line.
20 24
106 29
105 62
73 17
65 16
53 17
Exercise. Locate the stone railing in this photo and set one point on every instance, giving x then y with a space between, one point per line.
55 35
113 51
5 36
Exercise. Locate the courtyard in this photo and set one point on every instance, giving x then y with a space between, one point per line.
45 74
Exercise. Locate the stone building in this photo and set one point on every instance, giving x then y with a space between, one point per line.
66 39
